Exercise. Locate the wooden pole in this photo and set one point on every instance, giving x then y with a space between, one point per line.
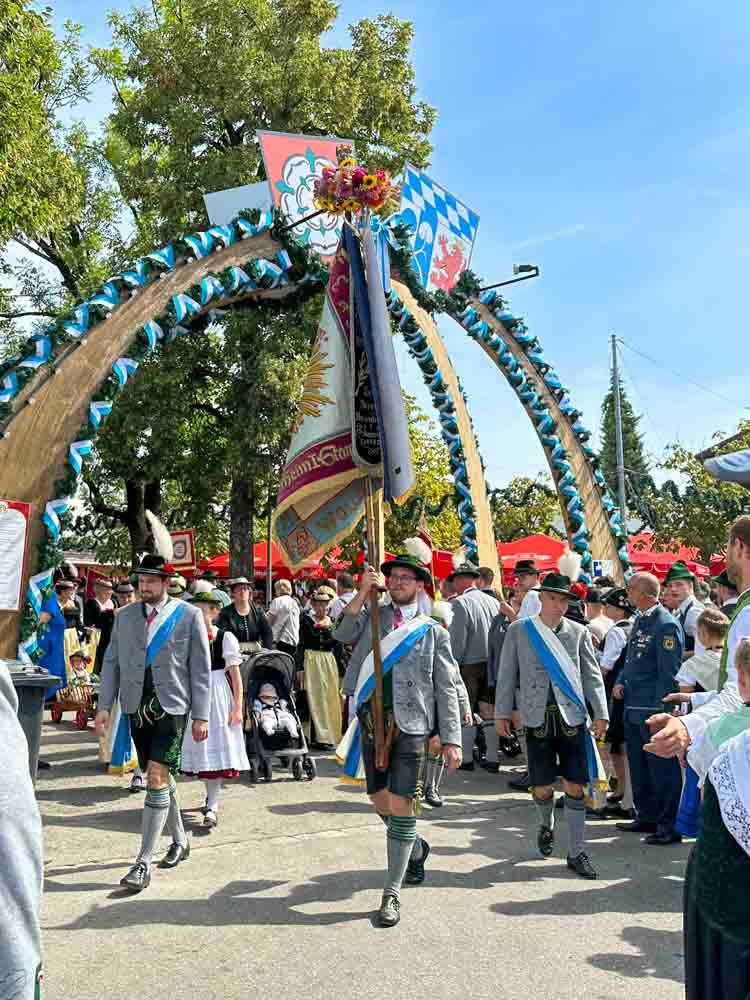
373 514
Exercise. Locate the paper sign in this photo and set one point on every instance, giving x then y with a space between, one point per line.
14 526
223 206
292 163
183 545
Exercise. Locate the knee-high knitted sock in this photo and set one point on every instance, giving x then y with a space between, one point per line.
155 810
546 810
402 831
416 851
490 738
174 817
468 738
575 816
213 790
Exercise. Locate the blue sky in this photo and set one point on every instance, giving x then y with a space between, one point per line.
609 144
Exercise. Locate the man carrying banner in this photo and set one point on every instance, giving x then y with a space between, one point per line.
552 660
419 698
159 662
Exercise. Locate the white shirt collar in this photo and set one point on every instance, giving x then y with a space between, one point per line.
408 611
645 614
160 604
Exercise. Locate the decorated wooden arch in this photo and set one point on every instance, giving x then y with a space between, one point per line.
56 395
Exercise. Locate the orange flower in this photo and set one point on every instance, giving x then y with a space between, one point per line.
369 181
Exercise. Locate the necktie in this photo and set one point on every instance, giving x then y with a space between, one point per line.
152 614
398 618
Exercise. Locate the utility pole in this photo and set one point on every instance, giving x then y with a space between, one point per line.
618 434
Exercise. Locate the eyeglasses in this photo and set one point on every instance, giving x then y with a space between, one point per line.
402 578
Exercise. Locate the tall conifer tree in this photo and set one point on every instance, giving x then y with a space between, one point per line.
637 468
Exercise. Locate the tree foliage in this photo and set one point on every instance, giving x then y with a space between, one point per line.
524 507
638 479
698 511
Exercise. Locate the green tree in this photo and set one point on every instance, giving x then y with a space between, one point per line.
433 489
524 507
39 75
192 81
699 511
638 479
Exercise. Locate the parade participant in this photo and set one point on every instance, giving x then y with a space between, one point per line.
551 660
158 661
680 599
345 591
716 915
653 657
52 641
125 594
672 736
473 614
21 858
177 587
598 622
99 613
283 615
246 621
701 671
419 696
318 655
222 756
525 584
487 582
619 611
510 747
726 593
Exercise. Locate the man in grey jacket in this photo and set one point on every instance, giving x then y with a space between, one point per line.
474 611
21 856
158 661
555 723
419 698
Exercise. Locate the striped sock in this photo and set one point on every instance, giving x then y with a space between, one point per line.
402 831
575 815
155 811
174 816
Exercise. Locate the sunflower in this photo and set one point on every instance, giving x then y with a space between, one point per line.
369 181
351 205
348 161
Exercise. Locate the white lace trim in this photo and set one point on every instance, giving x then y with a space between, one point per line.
730 776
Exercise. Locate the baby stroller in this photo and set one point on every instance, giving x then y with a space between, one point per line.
270 666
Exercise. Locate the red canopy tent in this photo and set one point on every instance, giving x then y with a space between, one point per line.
644 558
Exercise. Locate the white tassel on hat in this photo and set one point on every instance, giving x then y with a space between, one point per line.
162 538
459 557
569 565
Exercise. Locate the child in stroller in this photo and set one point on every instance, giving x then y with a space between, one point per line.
273 727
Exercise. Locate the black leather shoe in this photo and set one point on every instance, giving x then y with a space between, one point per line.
582 866
175 854
545 840
492 766
663 839
637 826
432 798
415 869
520 783
617 812
389 913
467 767
137 879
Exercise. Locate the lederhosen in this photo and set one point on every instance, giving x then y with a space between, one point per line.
156 734
616 728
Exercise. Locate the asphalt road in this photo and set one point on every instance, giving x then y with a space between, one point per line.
278 900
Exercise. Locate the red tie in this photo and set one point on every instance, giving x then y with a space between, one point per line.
398 618
152 614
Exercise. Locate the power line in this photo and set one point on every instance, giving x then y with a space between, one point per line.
685 378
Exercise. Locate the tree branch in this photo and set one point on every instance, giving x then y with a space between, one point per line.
100 506
18 315
212 411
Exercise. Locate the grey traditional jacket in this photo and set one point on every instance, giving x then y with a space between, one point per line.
181 669
424 680
473 614
521 668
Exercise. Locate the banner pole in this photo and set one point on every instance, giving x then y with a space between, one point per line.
373 516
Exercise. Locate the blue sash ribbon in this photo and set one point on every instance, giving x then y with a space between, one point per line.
163 633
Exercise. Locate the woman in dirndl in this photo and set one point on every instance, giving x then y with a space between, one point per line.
318 656
222 755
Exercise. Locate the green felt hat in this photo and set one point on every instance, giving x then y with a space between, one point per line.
407 562
557 583
206 597
678 571
722 580
465 569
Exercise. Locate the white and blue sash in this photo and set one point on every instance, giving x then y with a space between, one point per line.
161 628
394 647
565 676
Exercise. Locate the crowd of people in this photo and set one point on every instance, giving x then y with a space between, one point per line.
635 699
